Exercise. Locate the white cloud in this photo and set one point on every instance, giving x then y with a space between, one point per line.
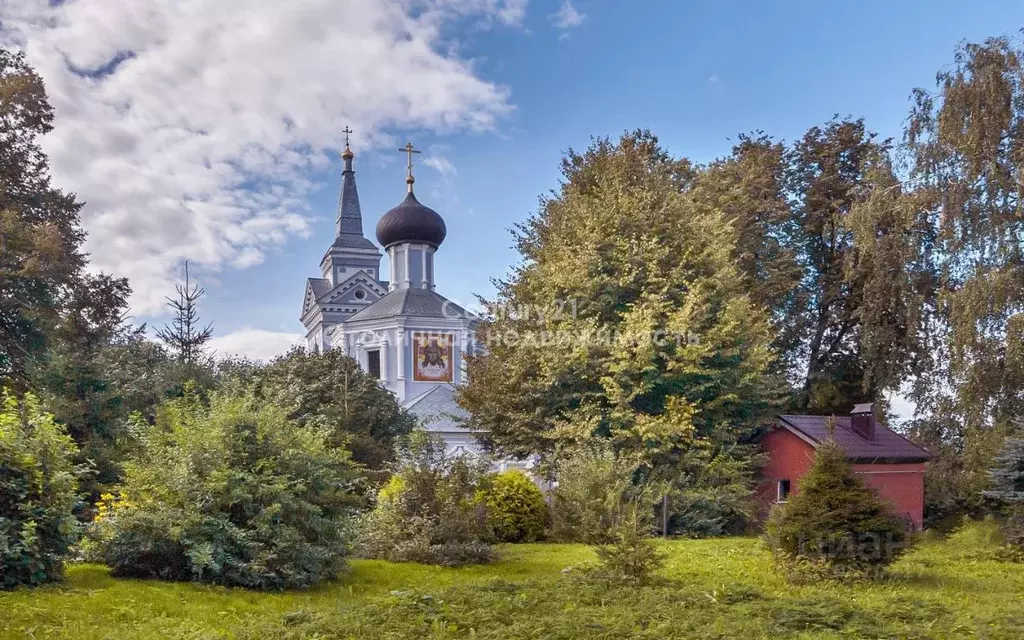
567 16
189 127
442 165
256 344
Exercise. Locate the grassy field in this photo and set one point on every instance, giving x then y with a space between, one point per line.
723 588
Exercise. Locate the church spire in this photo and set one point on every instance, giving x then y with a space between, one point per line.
350 217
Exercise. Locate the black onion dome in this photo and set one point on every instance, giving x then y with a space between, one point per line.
411 222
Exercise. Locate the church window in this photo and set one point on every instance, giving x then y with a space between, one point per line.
373 363
360 294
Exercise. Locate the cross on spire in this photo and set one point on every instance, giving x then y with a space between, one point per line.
409 150
347 154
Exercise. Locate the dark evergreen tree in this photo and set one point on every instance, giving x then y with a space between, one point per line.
185 336
834 525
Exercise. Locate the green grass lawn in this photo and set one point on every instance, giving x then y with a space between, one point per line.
723 588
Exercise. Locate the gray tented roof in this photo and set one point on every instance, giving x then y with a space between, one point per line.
421 303
885 446
352 241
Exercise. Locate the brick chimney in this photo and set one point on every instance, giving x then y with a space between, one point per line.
862 420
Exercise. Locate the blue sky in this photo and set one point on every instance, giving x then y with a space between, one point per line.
517 81
694 73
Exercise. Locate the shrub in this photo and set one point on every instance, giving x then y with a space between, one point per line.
835 526
233 493
592 483
38 493
431 511
1008 490
516 509
632 556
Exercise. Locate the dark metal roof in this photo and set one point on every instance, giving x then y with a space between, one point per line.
885 446
351 241
421 303
320 286
411 222
350 216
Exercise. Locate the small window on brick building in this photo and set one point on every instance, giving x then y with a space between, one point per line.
373 363
783 490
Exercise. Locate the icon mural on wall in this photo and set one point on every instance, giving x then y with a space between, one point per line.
432 360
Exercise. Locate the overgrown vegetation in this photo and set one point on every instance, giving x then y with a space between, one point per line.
38 493
432 511
233 493
516 511
834 527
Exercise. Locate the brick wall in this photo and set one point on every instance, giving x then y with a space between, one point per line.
789 457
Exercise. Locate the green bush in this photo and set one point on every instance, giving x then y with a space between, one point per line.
38 493
835 526
592 484
631 556
516 509
232 493
431 511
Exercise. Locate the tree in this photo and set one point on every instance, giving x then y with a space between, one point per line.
41 262
331 392
183 336
964 144
834 526
1007 476
749 188
626 321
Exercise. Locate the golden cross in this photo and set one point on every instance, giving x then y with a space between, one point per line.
408 150
346 131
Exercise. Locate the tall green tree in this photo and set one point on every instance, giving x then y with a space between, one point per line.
627 319
964 143
41 261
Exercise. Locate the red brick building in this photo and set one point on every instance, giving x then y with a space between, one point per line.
887 461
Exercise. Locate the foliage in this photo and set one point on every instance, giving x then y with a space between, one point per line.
627 319
516 510
834 526
432 511
710 494
185 336
593 483
957 475
721 588
1008 489
43 278
965 149
233 493
38 493
631 556
331 392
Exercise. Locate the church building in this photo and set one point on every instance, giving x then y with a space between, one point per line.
401 331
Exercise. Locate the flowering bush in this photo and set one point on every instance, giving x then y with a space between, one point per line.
38 493
234 493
